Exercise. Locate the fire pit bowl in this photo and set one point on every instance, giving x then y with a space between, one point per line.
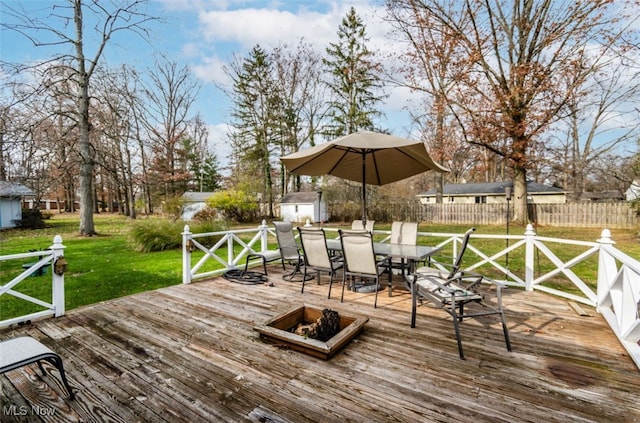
278 331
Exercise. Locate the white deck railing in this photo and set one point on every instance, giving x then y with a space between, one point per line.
46 258
616 297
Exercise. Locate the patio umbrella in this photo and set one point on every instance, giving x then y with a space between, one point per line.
368 157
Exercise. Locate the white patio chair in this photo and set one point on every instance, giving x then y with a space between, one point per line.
402 233
316 255
360 259
357 225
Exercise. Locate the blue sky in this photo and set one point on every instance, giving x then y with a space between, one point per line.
204 34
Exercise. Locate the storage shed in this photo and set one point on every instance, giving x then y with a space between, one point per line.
300 206
11 196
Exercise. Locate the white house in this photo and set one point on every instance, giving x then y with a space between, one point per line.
300 206
193 203
493 193
633 193
11 195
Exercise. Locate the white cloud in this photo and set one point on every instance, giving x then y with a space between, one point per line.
282 22
210 70
225 28
248 27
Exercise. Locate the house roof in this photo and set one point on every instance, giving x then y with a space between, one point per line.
196 197
490 188
299 197
14 189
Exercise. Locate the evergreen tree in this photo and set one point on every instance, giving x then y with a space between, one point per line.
255 119
203 168
355 81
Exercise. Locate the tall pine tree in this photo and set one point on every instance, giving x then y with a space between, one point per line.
355 79
255 112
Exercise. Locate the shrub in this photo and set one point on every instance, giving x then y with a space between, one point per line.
156 235
206 215
237 206
172 206
31 219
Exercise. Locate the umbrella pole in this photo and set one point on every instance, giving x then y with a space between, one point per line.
364 191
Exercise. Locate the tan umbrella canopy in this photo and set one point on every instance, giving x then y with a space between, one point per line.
367 157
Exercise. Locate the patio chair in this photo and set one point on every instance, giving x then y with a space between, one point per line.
457 293
25 350
316 255
402 233
357 225
290 252
360 259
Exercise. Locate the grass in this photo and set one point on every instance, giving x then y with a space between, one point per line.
108 265
100 268
625 240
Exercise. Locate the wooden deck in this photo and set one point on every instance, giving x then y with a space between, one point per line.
188 353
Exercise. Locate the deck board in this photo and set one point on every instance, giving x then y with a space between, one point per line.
188 353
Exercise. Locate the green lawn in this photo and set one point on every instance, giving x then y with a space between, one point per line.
100 268
107 265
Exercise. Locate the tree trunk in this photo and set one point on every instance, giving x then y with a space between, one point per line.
87 227
520 214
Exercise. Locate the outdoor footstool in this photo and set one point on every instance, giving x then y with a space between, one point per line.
24 350
265 256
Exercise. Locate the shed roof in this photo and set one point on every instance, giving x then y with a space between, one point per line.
196 197
491 188
14 189
299 197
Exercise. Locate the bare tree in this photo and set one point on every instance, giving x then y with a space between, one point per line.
600 120
515 53
430 65
117 103
170 92
111 17
298 78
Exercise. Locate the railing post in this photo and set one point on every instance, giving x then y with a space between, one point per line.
57 278
529 257
186 255
607 270
264 235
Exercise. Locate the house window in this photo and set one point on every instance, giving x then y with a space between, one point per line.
481 199
296 206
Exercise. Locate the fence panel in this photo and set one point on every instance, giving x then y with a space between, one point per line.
593 215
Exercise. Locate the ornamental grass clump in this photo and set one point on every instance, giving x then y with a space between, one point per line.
163 234
156 235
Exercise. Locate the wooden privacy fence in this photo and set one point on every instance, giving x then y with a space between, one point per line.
593 215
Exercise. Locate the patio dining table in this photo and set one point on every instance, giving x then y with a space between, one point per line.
410 253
